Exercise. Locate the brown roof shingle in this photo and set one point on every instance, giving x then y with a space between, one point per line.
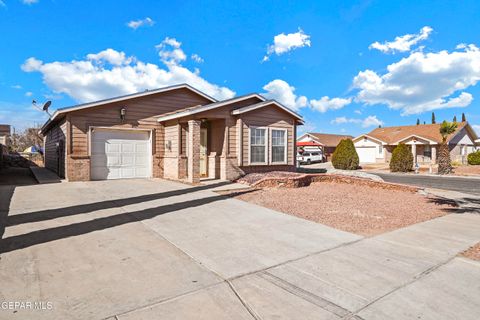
392 135
329 140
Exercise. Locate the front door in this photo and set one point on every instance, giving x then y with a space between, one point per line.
203 153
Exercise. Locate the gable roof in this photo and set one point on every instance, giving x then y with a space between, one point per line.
394 135
266 104
61 111
201 108
328 139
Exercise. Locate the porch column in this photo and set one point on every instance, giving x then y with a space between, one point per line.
194 151
414 151
434 154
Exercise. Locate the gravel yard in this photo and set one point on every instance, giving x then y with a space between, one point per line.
359 209
467 171
473 252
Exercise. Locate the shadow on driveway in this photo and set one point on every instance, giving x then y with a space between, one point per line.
75 229
10 178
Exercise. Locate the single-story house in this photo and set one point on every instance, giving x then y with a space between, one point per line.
377 146
328 142
177 132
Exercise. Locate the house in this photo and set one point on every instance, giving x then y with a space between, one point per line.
177 132
328 142
4 133
377 146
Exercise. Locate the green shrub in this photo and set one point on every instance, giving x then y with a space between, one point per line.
402 159
345 156
474 158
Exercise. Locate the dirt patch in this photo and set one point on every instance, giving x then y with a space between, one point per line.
473 252
364 210
467 171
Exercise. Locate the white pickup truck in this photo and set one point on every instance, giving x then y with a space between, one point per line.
309 157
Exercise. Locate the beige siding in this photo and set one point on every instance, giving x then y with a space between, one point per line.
55 160
172 139
271 117
140 113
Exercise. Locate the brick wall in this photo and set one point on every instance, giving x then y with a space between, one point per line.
78 168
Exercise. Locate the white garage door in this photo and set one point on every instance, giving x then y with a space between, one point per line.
120 154
366 154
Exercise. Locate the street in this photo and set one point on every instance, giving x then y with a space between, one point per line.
460 184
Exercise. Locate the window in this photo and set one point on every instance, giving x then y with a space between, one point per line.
279 145
258 145
380 149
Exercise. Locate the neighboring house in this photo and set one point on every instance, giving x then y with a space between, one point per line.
328 142
377 146
176 132
4 133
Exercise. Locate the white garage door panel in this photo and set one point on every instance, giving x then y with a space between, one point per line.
366 154
120 154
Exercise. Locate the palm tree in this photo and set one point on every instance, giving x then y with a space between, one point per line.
444 161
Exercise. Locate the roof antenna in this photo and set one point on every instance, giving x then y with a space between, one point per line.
44 108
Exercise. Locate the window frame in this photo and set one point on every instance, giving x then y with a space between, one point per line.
250 162
270 149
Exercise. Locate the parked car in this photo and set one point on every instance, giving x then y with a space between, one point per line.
309 157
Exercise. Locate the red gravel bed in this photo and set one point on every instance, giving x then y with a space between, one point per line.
251 178
359 209
473 252
467 171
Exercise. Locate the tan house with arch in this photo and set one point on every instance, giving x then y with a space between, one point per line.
177 132
377 146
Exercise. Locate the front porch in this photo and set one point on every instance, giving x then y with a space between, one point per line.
198 149
424 151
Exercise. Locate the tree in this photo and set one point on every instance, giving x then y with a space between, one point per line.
444 161
345 156
402 159
464 119
433 118
418 122
19 141
454 118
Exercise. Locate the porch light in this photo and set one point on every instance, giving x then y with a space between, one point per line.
123 112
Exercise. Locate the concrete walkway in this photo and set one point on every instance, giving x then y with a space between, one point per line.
158 249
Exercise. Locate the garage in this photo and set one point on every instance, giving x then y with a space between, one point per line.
120 154
366 154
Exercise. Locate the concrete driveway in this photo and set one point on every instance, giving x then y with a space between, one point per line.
153 249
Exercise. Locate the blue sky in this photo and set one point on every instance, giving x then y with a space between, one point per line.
346 66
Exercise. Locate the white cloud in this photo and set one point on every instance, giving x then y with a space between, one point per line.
111 73
135 24
195 57
2 4
369 121
17 86
358 111
284 93
423 81
325 103
28 94
170 52
111 56
29 2
402 43
283 43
